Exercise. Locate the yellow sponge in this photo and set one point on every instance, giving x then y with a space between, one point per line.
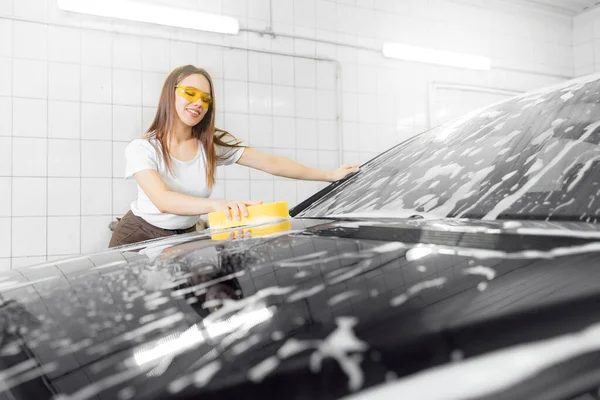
261 213
254 232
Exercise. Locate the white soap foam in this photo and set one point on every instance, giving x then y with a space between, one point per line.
488 272
262 369
342 297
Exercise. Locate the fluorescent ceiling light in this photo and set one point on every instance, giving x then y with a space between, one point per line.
439 57
153 13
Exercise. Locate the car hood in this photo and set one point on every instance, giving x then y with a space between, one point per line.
297 309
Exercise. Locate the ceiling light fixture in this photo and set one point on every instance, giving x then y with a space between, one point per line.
438 57
153 13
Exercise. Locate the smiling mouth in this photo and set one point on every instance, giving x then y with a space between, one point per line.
193 112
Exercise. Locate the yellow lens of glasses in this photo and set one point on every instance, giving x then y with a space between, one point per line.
192 94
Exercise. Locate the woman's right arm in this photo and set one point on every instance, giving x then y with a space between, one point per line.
168 201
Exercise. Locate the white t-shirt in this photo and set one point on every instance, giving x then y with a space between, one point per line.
188 177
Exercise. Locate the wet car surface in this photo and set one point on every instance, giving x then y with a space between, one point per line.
355 291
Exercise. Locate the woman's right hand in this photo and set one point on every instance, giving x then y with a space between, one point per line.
233 209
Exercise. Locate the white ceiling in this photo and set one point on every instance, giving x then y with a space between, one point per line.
571 7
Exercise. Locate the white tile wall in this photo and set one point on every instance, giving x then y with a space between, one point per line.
64 81
30 40
283 70
34 9
284 132
307 157
328 160
260 98
74 90
5 196
64 119
238 123
236 97
5 156
96 48
29 197
29 156
285 191
95 234
64 197
30 117
127 123
237 189
261 131
96 196
5 114
283 101
306 133
259 67
5 238
183 53
235 64
118 165
211 58
306 103
6 38
6 73
350 130
148 114
64 158
127 87
64 235
96 159
260 175
305 72
236 172
124 191
28 236
262 190
127 52
64 44
153 54
97 121
586 42
328 135
152 83
218 191
30 78
326 104
23 262
96 84
6 7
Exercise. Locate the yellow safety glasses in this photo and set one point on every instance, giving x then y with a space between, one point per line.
192 94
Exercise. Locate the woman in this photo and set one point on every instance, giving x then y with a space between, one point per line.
174 163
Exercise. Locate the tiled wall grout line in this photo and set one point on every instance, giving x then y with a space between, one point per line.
12 145
81 145
112 136
47 142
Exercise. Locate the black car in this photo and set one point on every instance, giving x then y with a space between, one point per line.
463 263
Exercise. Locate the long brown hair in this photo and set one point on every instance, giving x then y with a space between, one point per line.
204 131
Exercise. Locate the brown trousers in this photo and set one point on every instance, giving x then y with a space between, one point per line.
134 229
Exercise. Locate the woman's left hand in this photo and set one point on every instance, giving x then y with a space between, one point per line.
342 172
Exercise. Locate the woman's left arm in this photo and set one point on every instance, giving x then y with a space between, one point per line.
281 166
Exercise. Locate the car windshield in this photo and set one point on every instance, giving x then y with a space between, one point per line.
535 156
